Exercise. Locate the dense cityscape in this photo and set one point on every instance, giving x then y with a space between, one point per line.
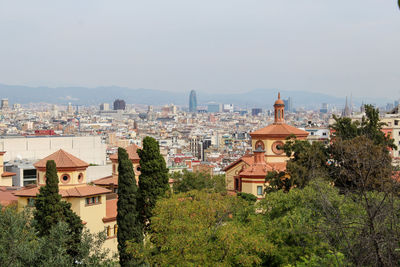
199 133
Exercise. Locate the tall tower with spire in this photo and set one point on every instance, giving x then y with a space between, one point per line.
346 111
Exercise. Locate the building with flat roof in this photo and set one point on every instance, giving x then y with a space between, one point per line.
89 148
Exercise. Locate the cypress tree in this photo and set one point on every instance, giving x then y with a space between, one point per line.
50 210
153 179
128 219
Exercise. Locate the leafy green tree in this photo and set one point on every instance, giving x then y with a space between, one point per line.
359 164
187 181
21 246
247 197
278 181
153 179
205 229
308 161
50 210
363 225
17 245
128 217
291 225
370 127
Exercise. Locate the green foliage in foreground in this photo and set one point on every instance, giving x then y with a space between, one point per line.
51 210
21 246
187 181
205 229
312 226
248 197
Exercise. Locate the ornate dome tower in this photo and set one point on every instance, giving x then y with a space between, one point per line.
279 107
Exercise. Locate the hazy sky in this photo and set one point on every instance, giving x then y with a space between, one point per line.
331 46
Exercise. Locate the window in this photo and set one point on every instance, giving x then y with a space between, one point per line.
115 229
108 231
259 190
65 178
236 184
396 122
31 202
80 178
93 200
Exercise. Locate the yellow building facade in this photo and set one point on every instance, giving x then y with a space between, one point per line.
95 205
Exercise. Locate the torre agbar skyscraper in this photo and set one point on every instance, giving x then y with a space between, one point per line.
192 101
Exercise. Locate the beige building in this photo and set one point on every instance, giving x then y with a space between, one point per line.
95 205
111 182
5 177
248 173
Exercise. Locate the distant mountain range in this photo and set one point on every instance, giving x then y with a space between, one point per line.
263 98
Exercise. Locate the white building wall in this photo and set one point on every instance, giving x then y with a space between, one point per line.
87 148
97 172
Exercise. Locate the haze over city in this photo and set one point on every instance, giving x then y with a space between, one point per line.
200 133
333 47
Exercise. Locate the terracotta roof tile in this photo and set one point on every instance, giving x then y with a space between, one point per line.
259 170
132 152
6 174
279 129
62 159
109 180
7 197
248 159
78 191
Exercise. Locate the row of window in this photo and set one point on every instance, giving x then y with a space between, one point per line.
93 200
65 178
108 230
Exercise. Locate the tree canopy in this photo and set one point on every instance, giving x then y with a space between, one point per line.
187 181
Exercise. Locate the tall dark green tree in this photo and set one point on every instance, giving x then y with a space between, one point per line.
128 217
51 210
153 180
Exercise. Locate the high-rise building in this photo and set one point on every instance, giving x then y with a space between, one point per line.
256 111
324 108
228 108
213 107
4 103
119 104
70 108
288 104
104 106
192 101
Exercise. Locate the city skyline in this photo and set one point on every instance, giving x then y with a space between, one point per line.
338 47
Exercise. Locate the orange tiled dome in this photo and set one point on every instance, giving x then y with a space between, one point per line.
279 101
